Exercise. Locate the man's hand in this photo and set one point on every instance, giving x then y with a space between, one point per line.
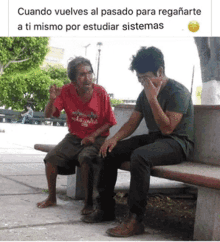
89 140
54 92
152 87
108 145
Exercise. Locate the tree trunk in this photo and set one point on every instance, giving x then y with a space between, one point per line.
1 69
209 54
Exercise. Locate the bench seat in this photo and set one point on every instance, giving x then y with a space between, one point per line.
193 173
44 147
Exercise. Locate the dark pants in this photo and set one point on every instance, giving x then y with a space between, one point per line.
144 152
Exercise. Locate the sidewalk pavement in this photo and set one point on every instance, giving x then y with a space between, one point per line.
23 184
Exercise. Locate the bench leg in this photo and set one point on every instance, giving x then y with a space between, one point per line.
75 188
207 222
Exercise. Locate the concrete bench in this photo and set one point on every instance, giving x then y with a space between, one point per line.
202 171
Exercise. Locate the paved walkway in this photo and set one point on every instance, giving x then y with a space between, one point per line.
23 184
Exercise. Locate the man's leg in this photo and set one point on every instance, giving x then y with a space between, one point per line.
108 176
28 117
60 157
23 119
88 180
51 174
162 152
86 159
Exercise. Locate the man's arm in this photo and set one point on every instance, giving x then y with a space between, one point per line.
50 109
166 121
126 130
100 130
23 114
91 138
129 127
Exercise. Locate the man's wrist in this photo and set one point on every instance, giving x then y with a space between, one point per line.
93 136
116 138
152 100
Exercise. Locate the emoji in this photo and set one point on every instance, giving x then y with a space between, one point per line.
193 26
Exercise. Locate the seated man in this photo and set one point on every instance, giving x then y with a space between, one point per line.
29 114
167 108
89 117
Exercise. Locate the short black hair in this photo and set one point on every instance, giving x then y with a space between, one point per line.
147 59
73 64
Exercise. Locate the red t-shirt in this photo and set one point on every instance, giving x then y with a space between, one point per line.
85 118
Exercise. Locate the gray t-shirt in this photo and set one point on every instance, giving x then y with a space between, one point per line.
173 97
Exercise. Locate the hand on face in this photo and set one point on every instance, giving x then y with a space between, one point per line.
152 87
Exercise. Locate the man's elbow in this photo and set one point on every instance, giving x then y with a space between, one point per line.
167 131
47 116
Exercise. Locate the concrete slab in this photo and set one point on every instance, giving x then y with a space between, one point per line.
21 210
22 220
18 158
12 187
40 181
7 169
21 150
28 135
76 231
5 144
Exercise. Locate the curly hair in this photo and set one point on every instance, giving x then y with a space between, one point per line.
147 59
73 64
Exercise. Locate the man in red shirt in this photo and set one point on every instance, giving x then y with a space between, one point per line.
89 117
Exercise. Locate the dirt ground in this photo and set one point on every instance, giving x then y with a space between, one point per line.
173 214
169 214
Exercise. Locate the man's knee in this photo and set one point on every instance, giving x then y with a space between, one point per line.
53 158
50 165
85 158
50 157
137 161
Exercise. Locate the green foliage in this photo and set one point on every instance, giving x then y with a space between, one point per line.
115 102
22 88
57 73
21 80
22 53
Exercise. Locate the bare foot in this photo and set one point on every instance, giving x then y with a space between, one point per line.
87 209
47 203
